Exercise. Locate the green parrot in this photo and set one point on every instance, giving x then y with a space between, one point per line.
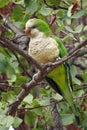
44 47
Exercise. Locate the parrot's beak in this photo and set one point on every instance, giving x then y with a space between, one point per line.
27 31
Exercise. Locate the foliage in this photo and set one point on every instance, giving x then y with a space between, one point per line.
38 108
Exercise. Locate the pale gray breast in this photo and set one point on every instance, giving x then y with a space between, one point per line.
43 49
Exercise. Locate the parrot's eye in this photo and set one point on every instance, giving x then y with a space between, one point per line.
33 27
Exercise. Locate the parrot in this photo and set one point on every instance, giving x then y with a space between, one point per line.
44 47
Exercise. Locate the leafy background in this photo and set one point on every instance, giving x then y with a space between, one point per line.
35 111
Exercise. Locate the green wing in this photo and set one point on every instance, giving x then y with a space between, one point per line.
59 80
63 50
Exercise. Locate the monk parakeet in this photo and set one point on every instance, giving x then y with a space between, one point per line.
44 47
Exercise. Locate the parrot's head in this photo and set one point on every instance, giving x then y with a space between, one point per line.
34 26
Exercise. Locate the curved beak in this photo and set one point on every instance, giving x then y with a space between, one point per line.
27 31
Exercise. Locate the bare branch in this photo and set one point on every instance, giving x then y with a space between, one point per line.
83 67
79 54
56 116
9 25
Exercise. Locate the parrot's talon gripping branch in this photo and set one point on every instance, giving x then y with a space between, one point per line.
35 77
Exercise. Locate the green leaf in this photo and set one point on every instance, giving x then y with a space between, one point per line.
31 5
67 119
18 13
6 121
69 11
44 92
79 28
84 5
69 29
3 63
30 118
13 62
57 96
78 14
68 21
28 99
8 96
11 74
17 122
78 93
84 76
21 79
48 116
4 2
38 111
68 37
73 73
9 121
45 11
4 128
35 103
54 2
84 121
60 28
43 102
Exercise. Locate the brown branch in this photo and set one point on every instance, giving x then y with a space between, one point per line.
9 25
56 116
7 43
83 67
40 75
79 54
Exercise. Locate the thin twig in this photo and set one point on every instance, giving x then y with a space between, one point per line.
56 116
54 7
21 65
65 2
79 54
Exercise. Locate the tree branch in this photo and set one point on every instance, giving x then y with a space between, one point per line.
38 76
9 25
56 116
7 43
79 54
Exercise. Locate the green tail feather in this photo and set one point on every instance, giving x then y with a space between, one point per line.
76 114
59 82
